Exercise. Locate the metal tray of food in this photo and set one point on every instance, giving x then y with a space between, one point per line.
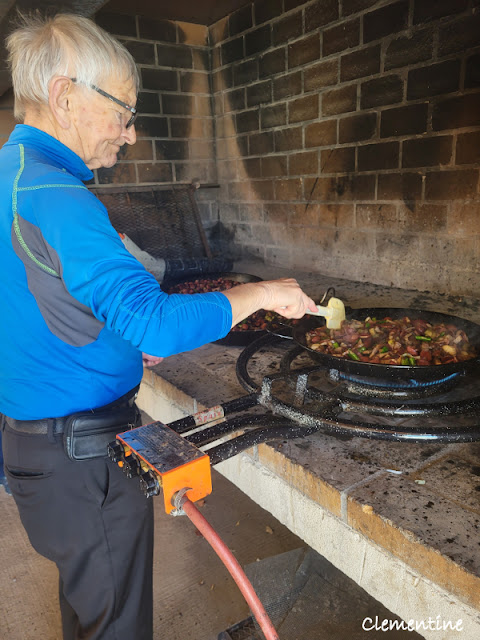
392 371
244 333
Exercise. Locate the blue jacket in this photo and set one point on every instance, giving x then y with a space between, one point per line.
76 309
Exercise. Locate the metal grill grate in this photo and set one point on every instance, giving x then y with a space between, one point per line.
164 222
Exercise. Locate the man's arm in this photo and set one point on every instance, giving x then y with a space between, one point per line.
282 296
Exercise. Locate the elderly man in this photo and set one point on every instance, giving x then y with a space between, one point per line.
78 311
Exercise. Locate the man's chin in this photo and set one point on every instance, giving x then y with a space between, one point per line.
109 162
105 162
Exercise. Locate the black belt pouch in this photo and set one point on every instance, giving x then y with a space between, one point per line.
86 435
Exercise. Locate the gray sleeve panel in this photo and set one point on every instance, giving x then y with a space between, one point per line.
68 319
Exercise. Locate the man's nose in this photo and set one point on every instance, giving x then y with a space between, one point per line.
130 135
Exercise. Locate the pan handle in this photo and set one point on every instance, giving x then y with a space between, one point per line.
280 329
331 291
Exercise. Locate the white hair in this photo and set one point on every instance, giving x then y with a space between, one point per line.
63 45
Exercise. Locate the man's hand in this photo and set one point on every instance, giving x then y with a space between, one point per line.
150 361
286 298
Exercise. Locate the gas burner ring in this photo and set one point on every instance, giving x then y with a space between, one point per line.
368 386
446 411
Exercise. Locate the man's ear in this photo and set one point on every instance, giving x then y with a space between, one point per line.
60 100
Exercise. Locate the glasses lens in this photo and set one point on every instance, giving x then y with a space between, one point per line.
131 120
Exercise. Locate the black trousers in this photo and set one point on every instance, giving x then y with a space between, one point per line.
96 525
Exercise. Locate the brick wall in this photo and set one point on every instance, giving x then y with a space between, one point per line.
348 138
175 128
7 121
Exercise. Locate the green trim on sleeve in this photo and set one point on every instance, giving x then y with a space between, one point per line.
16 223
23 244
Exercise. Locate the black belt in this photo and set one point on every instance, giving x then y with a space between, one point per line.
39 427
57 425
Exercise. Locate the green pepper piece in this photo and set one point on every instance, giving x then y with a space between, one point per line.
423 338
384 350
353 356
335 345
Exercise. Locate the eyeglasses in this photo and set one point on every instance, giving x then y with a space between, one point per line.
103 93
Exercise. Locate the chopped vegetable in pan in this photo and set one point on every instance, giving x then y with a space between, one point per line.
386 341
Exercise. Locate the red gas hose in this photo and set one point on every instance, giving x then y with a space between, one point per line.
231 563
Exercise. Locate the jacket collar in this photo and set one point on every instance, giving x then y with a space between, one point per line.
56 151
